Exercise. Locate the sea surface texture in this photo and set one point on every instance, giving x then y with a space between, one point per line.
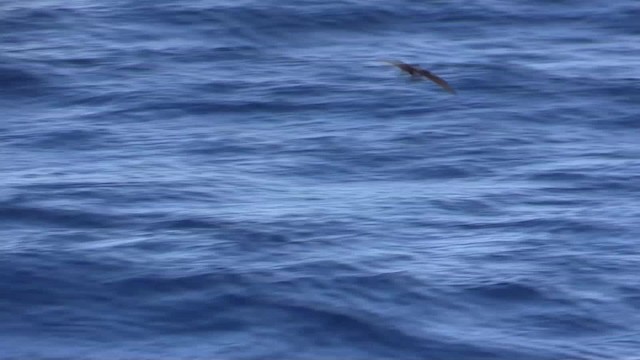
247 179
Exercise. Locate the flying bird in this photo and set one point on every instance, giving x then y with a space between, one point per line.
415 70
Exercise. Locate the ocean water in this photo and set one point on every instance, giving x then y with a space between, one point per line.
216 179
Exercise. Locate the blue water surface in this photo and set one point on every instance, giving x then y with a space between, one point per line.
217 179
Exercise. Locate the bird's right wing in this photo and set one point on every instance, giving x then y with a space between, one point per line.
438 80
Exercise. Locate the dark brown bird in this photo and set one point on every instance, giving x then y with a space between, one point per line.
414 70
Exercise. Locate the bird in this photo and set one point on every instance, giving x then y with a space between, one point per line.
415 70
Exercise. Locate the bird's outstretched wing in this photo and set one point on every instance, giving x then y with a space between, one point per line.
438 80
392 62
